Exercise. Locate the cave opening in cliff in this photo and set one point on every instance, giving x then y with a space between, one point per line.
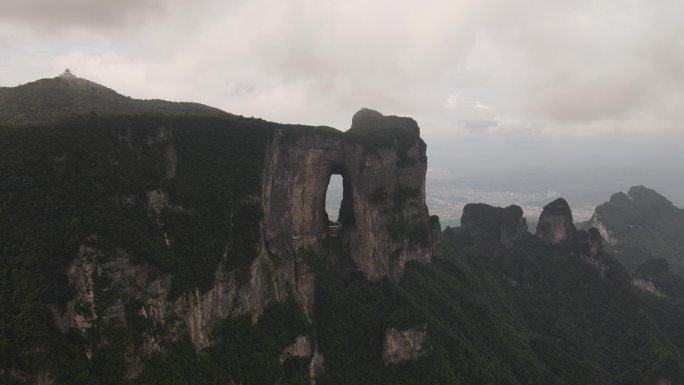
333 197
338 201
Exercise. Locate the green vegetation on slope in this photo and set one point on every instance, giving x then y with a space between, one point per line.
51 100
86 181
535 314
241 352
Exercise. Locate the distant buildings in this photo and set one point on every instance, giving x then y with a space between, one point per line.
67 74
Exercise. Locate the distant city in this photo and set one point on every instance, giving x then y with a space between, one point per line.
447 202
584 189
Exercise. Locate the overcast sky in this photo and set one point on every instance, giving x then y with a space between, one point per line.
493 84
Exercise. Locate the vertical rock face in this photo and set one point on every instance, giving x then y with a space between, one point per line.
382 161
513 225
555 222
589 247
487 223
436 234
590 243
316 365
595 242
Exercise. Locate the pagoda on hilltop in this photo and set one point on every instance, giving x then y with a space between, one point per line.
67 74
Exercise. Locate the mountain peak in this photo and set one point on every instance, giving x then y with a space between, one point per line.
646 196
367 119
52 99
558 207
555 223
645 225
67 75
620 199
494 223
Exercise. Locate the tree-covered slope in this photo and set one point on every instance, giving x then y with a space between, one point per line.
532 314
52 99
103 183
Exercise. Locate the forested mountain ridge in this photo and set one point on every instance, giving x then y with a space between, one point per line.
52 99
170 247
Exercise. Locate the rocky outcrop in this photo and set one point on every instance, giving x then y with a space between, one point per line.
556 227
316 365
385 222
590 243
488 223
300 348
647 286
555 223
436 235
596 222
606 216
589 247
655 277
81 274
595 243
641 225
194 313
405 345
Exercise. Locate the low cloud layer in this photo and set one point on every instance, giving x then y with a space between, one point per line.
54 16
531 74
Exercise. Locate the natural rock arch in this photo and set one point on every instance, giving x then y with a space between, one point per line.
383 164
345 213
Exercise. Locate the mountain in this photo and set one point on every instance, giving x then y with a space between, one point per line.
49 100
642 225
153 246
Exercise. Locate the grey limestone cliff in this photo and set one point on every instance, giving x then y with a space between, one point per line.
405 345
488 223
385 222
555 222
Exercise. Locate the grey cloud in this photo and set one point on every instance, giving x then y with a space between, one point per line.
589 60
479 125
240 89
51 15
